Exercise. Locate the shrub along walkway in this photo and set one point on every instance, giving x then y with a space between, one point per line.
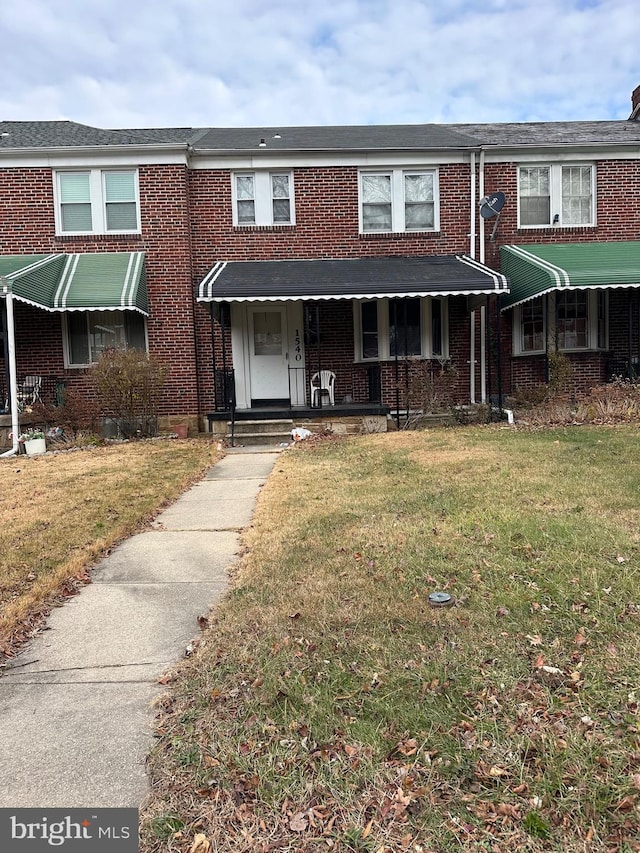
75 706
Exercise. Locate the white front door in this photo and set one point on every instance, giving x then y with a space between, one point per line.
268 353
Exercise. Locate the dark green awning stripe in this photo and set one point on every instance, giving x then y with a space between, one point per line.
538 269
79 282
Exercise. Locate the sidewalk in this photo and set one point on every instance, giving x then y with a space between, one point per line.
75 715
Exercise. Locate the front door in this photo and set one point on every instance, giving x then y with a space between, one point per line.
268 355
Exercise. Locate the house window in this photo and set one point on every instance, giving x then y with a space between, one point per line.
90 333
532 326
572 320
263 198
96 201
578 319
405 327
555 195
398 200
410 327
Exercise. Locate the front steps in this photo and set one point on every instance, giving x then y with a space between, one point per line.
274 431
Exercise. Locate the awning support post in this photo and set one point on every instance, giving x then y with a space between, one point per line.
13 376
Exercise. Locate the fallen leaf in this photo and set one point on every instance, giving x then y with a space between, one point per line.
535 639
201 844
299 822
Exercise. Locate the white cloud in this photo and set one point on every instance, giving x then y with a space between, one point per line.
279 62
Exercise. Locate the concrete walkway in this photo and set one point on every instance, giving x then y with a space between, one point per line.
75 705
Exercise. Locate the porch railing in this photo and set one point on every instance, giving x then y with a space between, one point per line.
51 392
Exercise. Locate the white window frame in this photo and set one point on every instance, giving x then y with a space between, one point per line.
97 199
397 176
549 315
68 363
263 197
384 324
556 219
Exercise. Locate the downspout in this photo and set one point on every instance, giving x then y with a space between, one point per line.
483 309
472 253
13 377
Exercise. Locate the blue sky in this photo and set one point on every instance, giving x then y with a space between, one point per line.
153 63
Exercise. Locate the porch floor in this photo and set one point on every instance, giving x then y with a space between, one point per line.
260 413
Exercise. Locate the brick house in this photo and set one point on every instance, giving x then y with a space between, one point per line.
248 260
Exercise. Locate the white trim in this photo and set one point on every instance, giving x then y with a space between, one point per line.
326 297
250 161
71 158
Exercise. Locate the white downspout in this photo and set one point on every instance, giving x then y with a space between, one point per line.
13 376
472 253
483 309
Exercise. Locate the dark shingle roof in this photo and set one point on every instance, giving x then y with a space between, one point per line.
552 132
69 134
335 138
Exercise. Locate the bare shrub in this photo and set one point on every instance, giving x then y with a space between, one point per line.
128 384
76 415
618 401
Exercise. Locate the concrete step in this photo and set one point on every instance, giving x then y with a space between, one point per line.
271 427
248 439
261 432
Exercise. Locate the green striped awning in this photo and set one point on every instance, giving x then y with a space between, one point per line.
100 281
538 269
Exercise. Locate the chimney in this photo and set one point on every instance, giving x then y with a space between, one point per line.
635 104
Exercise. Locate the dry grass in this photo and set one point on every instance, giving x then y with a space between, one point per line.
60 512
330 708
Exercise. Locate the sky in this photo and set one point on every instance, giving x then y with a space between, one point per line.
277 63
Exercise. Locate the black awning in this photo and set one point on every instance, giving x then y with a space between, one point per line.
361 278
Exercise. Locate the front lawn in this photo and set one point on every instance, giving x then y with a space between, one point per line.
330 707
61 511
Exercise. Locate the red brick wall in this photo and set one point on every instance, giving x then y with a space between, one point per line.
326 212
617 217
29 228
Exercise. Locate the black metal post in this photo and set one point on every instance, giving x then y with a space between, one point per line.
629 340
547 370
396 366
499 355
318 354
5 347
487 335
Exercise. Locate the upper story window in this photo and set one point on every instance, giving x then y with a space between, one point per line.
556 195
410 326
97 201
398 200
263 198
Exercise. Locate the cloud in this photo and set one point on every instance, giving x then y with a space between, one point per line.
287 62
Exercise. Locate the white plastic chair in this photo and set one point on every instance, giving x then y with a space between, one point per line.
323 383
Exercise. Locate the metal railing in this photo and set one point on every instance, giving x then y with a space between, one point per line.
50 392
